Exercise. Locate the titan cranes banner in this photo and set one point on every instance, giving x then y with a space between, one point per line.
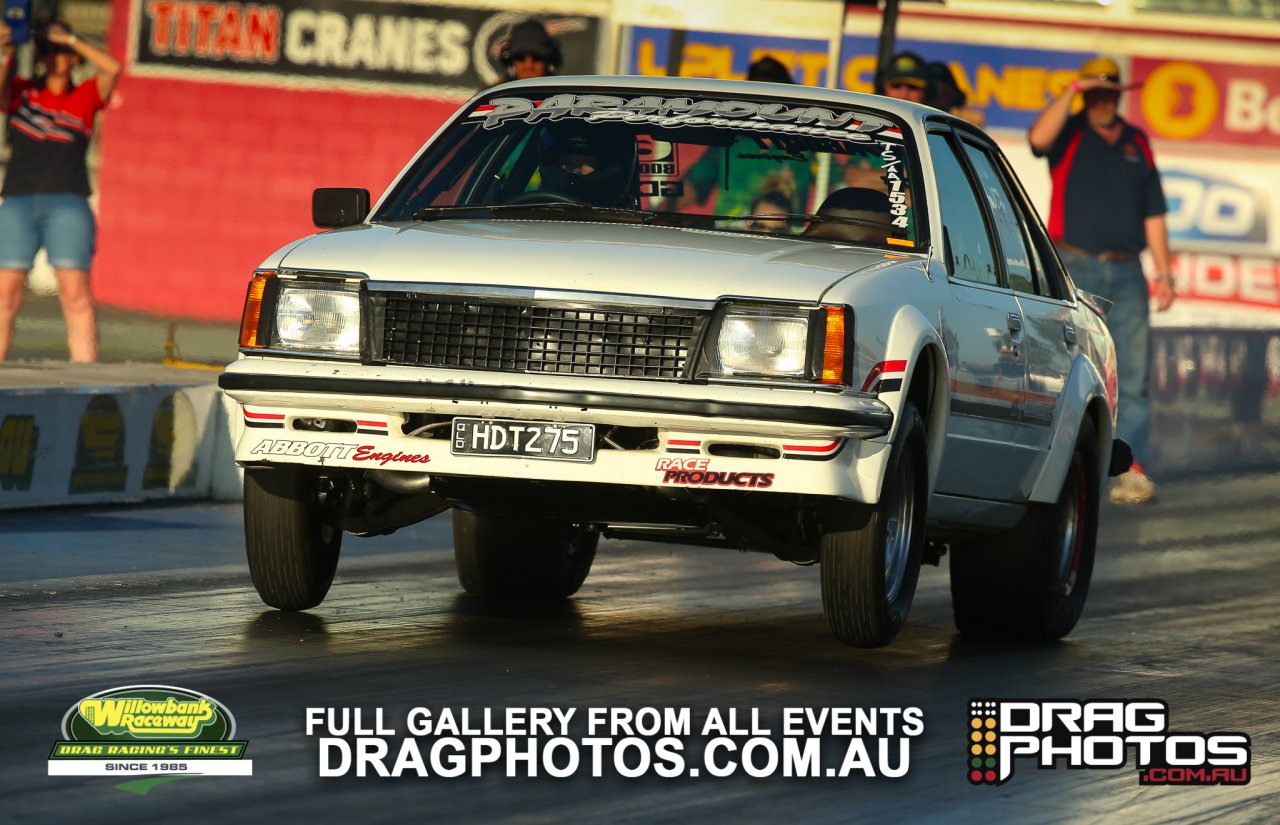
1202 115
354 40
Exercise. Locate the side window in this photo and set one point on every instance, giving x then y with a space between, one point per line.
1017 262
1049 276
966 236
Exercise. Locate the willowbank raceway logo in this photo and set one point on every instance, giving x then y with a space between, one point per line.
152 731
1099 733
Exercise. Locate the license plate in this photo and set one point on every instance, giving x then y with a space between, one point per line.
524 439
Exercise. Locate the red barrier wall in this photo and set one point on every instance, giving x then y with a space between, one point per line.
200 181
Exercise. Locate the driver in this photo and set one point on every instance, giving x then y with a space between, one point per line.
592 164
869 207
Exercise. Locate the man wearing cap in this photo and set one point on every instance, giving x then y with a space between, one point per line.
905 77
530 52
1107 206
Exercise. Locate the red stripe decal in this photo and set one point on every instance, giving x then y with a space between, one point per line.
1060 174
883 368
674 443
267 416
804 448
360 423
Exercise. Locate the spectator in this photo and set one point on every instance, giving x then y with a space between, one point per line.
45 199
530 52
905 77
772 205
1107 207
945 94
863 216
769 70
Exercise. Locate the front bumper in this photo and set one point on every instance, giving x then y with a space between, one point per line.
825 443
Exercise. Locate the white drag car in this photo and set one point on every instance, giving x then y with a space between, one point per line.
822 325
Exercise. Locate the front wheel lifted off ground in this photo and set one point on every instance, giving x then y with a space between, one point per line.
870 554
1032 581
516 558
292 552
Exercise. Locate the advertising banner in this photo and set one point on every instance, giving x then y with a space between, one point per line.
346 40
1010 84
1207 102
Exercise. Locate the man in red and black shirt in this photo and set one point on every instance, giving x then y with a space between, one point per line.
44 202
1107 207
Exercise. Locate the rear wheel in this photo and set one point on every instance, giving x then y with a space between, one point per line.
521 558
870 554
292 552
1033 580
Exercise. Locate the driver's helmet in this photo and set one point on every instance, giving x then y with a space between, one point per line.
590 163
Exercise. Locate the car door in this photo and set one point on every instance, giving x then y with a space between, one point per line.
983 331
1049 337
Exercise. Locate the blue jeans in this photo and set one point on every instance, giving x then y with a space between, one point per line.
62 223
1123 283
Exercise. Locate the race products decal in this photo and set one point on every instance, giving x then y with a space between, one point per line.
342 452
882 371
684 111
19 437
1099 733
717 478
149 730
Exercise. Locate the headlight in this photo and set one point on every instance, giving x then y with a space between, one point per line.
766 342
318 317
782 342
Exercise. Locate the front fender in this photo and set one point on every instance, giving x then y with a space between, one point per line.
913 339
1084 385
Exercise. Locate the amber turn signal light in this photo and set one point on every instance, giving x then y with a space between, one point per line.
249 322
833 347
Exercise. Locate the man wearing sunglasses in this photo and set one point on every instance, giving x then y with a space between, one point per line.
530 52
1107 206
905 77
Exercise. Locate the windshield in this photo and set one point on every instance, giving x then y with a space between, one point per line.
729 165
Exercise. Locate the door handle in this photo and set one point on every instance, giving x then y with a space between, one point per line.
1015 322
1069 334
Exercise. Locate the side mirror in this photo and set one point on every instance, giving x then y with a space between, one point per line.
332 208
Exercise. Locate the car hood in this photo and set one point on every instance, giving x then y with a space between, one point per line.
583 257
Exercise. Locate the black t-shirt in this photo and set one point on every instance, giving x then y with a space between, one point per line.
1103 193
49 134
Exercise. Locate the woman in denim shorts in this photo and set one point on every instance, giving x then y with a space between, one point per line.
45 199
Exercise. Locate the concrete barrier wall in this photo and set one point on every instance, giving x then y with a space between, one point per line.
94 444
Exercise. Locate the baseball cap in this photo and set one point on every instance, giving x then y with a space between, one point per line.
1103 68
908 68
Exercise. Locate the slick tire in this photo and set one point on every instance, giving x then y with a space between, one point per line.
1032 582
870 554
521 559
292 552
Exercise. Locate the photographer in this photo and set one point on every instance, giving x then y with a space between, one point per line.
45 199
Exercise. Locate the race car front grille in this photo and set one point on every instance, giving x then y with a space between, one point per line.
493 334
